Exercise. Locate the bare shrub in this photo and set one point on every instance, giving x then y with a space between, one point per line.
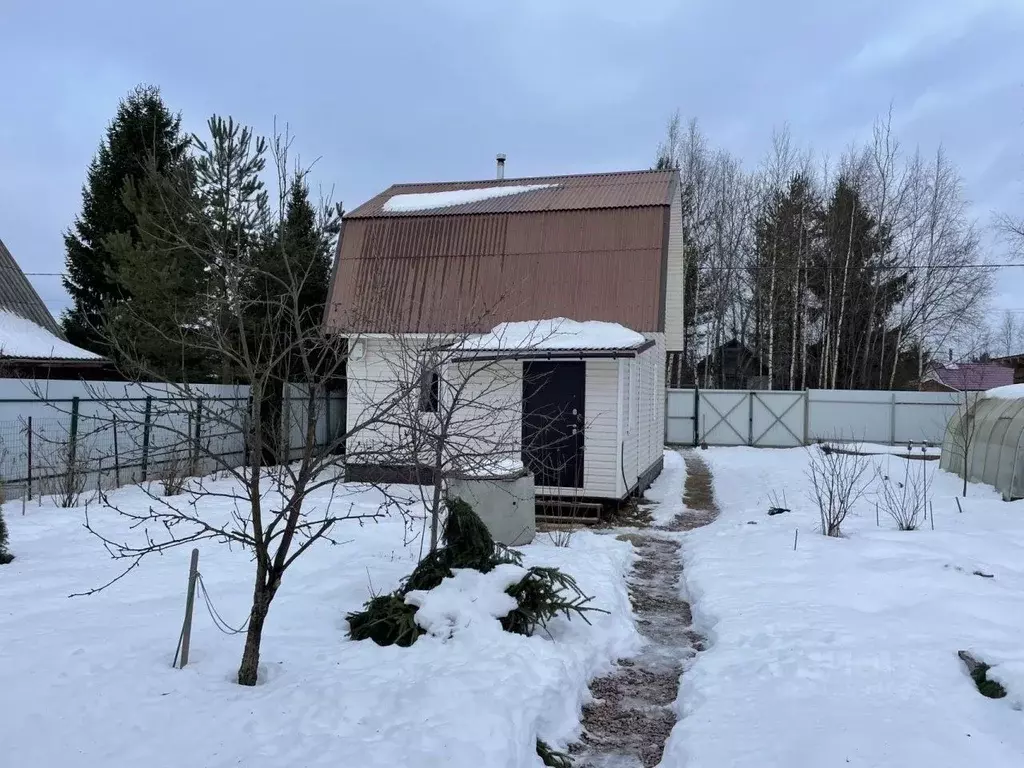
561 537
70 474
837 482
175 472
903 500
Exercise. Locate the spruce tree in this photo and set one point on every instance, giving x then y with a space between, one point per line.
143 131
5 556
163 276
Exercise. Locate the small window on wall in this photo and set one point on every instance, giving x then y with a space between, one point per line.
430 389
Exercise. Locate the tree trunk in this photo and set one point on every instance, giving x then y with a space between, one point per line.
261 597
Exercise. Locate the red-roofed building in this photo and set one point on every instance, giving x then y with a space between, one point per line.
966 377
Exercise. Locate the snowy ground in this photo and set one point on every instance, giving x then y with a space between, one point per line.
843 652
87 681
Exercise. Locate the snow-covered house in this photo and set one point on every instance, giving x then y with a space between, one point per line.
31 342
570 286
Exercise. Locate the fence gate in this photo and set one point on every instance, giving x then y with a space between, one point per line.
777 419
766 419
723 417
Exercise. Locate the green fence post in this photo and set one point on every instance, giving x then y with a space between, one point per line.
199 422
145 437
73 439
30 458
117 458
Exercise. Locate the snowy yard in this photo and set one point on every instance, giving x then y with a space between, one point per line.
844 652
87 681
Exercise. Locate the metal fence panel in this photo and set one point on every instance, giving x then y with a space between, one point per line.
841 414
724 417
679 412
124 433
777 419
783 419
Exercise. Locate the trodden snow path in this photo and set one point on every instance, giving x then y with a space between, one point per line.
632 714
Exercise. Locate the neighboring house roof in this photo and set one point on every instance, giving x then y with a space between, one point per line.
18 296
970 377
22 339
27 330
465 256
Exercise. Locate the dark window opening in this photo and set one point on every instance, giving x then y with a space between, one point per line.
430 388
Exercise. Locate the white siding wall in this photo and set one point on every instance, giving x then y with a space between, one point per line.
675 279
657 435
373 384
487 424
616 427
643 383
629 374
601 449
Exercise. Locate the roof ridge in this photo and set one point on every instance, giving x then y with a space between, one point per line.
530 178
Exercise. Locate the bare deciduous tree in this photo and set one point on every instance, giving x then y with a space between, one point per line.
254 322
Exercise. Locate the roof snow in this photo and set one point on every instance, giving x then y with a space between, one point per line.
21 338
556 334
424 201
1009 392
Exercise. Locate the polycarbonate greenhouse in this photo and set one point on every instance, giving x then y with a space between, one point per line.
990 433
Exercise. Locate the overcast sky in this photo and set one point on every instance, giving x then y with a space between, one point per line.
385 91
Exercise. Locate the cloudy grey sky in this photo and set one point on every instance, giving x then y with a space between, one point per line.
385 91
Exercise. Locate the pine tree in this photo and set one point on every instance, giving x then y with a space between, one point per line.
234 205
143 132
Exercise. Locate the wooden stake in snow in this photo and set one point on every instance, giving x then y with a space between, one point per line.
932 515
876 515
959 508
796 535
186 627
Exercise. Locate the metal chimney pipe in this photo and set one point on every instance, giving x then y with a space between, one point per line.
501 166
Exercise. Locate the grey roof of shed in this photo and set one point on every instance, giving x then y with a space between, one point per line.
19 297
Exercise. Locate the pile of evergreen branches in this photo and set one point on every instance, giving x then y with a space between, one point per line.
540 595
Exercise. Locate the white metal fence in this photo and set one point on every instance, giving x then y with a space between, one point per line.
122 433
777 419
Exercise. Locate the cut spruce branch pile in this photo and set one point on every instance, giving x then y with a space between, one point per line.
541 595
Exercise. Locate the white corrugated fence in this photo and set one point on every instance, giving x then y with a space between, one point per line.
779 419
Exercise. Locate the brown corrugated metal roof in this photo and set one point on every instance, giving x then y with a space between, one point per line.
588 248
627 189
